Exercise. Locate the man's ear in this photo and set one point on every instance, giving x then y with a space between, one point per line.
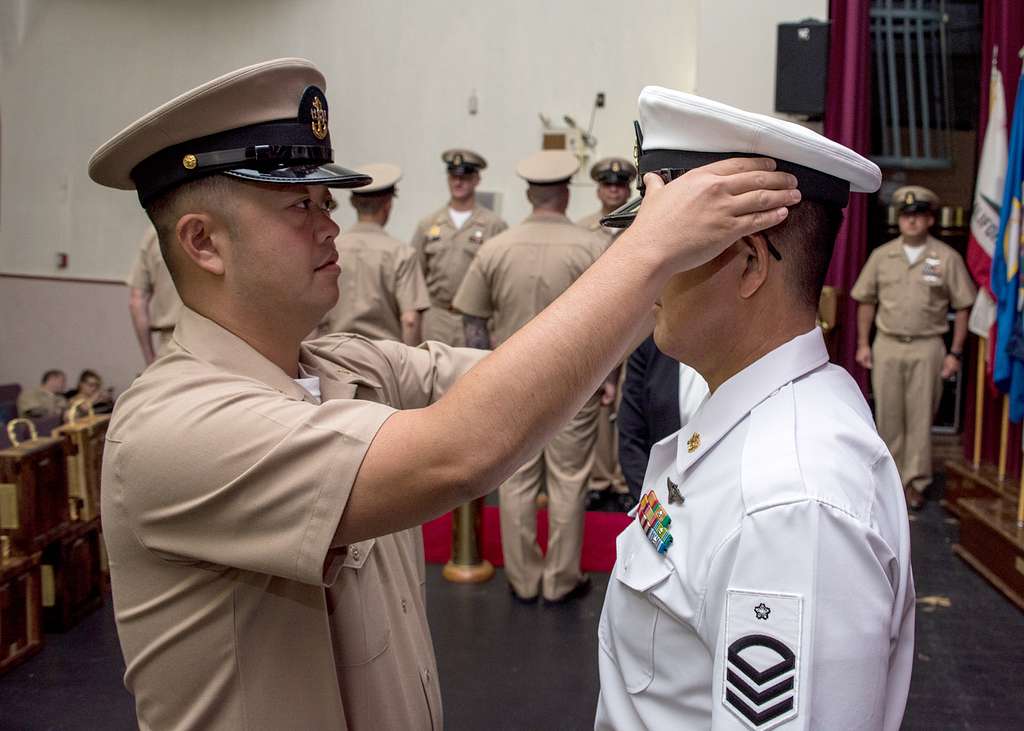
195 234
755 271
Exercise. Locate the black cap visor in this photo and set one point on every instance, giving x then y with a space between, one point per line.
333 176
623 217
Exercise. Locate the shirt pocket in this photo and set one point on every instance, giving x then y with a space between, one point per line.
631 615
361 630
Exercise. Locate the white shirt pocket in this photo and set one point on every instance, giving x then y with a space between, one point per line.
631 616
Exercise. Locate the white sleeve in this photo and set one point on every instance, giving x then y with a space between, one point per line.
809 624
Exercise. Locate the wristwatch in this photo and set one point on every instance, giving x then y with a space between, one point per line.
958 356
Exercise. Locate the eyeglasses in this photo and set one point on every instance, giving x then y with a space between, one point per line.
670 174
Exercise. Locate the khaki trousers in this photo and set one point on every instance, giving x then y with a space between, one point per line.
563 465
606 473
444 326
906 380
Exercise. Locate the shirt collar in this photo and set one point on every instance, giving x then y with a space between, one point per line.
214 344
735 398
365 227
547 217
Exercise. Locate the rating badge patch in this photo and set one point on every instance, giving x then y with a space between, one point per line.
762 663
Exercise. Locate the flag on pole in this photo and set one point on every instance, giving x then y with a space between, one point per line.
1008 369
988 195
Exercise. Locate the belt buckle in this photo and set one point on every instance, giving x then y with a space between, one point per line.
906 339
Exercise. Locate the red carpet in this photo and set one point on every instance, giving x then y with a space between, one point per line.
599 532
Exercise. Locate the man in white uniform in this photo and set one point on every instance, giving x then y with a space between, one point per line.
765 581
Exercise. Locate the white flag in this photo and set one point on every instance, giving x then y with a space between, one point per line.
988 197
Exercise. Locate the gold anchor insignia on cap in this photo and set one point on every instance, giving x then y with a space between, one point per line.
909 200
693 443
189 162
457 159
319 117
616 167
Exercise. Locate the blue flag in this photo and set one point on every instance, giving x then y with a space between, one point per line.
1008 368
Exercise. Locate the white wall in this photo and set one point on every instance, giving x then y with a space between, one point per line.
736 48
399 78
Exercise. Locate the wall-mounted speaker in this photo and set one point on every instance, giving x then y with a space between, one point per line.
801 67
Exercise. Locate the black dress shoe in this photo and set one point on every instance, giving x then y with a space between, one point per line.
580 590
594 500
522 599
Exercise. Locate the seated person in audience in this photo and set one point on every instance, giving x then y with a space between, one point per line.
90 388
659 395
47 399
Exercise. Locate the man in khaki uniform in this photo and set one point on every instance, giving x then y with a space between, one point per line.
448 239
613 176
258 491
514 276
607 487
907 288
46 399
381 288
154 303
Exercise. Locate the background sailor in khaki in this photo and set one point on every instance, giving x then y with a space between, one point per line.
907 288
46 399
515 276
382 293
154 303
448 239
607 486
613 176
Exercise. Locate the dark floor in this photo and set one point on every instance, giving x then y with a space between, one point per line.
508 666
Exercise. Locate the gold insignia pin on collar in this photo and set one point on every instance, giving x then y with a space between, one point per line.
693 443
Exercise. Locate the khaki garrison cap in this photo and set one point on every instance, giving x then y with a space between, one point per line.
678 132
385 177
548 167
914 199
267 123
463 162
614 170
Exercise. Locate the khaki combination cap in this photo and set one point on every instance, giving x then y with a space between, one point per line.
267 123
385 176
548 167
463 162
914 199
614 170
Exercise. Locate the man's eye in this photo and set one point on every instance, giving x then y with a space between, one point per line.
330 205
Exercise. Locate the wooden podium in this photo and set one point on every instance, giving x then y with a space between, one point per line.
991 538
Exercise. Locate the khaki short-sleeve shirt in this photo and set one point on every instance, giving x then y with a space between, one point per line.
380 279
593 224
39 402
445 252
223 485
523 270
149 273
914 299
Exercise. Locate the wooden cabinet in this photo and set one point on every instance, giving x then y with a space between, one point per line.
20 616
33 494
72 585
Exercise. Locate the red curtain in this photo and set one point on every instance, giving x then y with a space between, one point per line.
1002 28
848 121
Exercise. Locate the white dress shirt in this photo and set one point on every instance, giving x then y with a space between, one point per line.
786 599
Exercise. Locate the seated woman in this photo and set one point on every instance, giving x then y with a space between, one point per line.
90 388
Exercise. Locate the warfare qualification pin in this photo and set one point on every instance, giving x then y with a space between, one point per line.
693 443
674 496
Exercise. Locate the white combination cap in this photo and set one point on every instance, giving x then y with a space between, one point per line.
677 132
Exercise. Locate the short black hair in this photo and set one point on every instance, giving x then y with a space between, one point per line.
806 240
50 374
164 214
369 204
88 373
